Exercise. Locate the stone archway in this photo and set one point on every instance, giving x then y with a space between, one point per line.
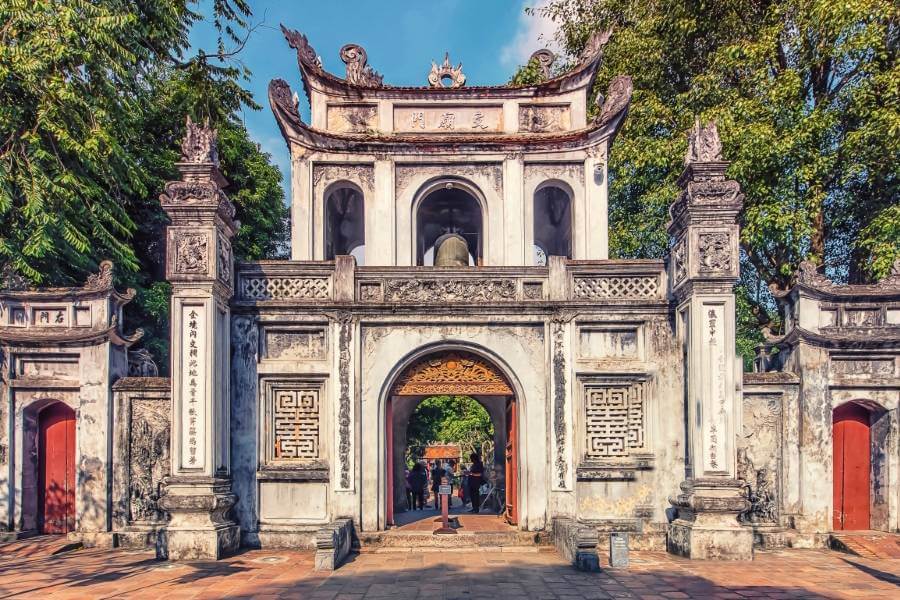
454 373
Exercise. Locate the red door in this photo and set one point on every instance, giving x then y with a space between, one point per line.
851 467
56 456
512 463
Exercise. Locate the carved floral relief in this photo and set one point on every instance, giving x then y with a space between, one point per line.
715 252
191 253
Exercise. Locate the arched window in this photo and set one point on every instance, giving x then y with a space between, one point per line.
552 223
448 209
345 224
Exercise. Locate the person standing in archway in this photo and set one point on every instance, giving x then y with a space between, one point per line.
475 480
417 481
437 476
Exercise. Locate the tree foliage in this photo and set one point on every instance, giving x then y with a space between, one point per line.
449 420
806 97
93 97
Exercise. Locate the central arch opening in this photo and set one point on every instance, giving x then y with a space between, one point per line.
443 408
449 208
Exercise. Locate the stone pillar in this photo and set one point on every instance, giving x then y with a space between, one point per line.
595 228
200 267
301 207
704 268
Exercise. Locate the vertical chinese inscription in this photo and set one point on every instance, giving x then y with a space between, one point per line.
193 387
714 392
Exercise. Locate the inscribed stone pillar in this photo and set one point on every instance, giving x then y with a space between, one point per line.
199 265
704 268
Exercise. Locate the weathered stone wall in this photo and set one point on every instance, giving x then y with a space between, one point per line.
141 458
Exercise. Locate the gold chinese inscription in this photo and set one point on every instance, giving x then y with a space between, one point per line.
456 373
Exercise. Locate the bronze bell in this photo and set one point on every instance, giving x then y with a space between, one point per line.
451 250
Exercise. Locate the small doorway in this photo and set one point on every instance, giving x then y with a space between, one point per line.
852 466
56 460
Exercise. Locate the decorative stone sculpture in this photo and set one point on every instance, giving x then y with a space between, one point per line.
199 144
544 60
11 280
306 56
141 364
101 280
358 72
439 74
617 99
595 44
704 144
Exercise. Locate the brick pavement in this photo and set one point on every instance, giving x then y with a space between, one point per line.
93 573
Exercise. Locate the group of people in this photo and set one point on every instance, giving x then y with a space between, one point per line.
418 480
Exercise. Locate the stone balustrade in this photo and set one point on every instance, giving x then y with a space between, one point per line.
341 281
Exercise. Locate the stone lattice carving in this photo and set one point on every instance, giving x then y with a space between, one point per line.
715 252
295 424
285 288
542 119
449 290
617 98
704 144
358 72
306 56
149 461
544 59
191 253
141 364
199 143
457 373
439 74
614 420
617 286
102 279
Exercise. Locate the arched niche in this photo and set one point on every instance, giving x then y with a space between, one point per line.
345 222
552 220
448 206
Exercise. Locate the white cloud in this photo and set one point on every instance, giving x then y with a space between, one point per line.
533 33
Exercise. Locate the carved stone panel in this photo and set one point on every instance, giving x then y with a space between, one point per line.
862 317
862 366
449 290
352 118
615 419
293 344
362 175
224 265
715 252
544 118
492 172
191 253
148 458
608 343
759 456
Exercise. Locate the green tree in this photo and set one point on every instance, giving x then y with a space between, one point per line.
806 97
449 420
93 97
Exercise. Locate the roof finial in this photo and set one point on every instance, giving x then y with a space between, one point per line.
358 72
704 144
438 75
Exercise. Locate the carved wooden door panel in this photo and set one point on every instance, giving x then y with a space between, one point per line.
852 457
56 458
512 463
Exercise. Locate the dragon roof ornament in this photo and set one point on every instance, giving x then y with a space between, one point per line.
358 71
593 49
617 99
446 71
306 55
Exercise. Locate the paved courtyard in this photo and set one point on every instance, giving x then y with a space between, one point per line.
30 572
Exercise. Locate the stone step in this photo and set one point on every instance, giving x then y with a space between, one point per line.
416 540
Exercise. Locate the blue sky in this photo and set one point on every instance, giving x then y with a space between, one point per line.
490 37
